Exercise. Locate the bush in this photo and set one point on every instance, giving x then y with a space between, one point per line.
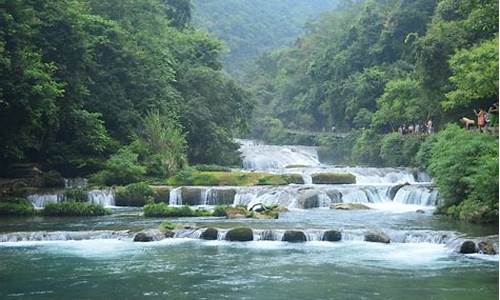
122 168
220 211
52 179
464 165
333 178
74 209
158 210
166 226
76 194
135 194
16 207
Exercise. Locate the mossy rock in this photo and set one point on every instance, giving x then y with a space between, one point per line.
333 178
332 236
161 194
294 178
199 178
294 236
240 234
135 194
210 234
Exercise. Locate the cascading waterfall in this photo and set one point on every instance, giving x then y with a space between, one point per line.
105 197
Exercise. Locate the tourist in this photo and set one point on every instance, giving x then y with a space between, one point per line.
481 119
430 128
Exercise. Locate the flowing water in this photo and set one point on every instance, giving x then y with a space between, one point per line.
95 258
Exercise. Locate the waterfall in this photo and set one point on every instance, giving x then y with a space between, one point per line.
417 194
40 200
175 196
63 235
104 197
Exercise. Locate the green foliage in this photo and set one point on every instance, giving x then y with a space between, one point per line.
474 75
122 168
134 194
400 150
366 149
78 77
16 207
74 209
76 194
465 167
220 211
157 210
52 179
166 144
166 226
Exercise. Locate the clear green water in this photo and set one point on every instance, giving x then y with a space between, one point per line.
194 269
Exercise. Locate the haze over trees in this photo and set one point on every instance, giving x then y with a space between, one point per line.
249 28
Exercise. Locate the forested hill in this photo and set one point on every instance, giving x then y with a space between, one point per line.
397 75
251 27
85 80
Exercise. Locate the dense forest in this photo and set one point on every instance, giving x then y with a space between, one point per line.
249 28
87 80
369 68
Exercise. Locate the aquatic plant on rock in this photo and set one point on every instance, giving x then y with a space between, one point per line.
333 178
240 234
13 206
74 209
76 194
205 178
486 247
294 236
163 210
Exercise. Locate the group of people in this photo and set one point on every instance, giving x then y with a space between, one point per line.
416 128
484 119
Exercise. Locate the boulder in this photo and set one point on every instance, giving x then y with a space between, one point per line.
240 234
169 234
223 197
191 196
294 236
349 206
149 235
486 247
468 247
332 236
308 199
209 234
420 211
376 236
333 178
161 194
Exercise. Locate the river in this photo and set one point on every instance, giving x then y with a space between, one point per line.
95 258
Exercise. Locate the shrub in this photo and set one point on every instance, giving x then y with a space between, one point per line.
74 209
76 194
333 178
166 226
366 149
52 179
16 207
135 194
464 165
122 168
163 210
220 211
